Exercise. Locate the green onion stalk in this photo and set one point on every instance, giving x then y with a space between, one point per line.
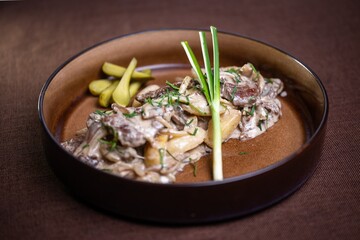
210 84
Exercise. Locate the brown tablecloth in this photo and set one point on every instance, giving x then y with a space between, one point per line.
37 36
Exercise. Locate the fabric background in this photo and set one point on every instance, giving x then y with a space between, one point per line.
37 36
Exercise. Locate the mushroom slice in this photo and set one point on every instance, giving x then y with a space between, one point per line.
229 122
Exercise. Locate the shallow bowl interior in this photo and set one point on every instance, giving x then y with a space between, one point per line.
278 162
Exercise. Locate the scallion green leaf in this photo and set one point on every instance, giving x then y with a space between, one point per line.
210 86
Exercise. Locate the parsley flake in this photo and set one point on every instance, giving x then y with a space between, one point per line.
130 115
85 146
150 101
234 90
254 70
189 122
269 80
100 112
194 133
252 110
172 85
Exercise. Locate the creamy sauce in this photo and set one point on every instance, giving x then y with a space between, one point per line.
167 128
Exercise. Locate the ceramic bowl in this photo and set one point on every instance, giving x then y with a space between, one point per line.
275 165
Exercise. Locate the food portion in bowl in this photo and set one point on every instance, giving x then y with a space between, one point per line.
266 168
168 127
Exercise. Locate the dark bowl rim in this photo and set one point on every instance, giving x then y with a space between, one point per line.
193 184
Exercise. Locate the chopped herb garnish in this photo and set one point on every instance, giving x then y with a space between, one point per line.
150 101
172 155
160 102
231 70
178 100
233 92
269 80
169 99
251 98
130 115
85 146
187 100
194 133
173 97
196 109
172 85
252 110
234 72
254 70
189 122
100 112
259 124
112 143
243 153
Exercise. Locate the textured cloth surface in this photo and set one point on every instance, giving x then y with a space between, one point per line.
37 36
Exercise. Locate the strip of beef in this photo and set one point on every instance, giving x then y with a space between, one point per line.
128 134
159 92
240 94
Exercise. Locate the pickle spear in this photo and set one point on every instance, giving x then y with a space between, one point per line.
96 87
121 95
136 84
118 71
105 96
